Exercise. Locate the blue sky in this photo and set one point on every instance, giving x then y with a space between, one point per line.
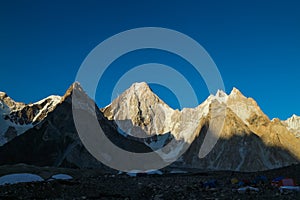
255 44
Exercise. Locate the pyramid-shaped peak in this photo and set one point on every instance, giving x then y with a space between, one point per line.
140 90
75 86
140 86
235 90
236 93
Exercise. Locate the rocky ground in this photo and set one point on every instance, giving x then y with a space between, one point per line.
93 184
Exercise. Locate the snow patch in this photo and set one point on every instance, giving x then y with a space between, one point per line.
61 177
49 106
178 172
20 178
134 173
242 152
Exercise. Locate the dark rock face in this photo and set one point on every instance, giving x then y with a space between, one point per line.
11 133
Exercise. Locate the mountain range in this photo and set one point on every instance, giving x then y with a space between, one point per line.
44 133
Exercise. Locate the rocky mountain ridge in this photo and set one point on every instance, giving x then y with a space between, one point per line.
138 121
16 117
239 117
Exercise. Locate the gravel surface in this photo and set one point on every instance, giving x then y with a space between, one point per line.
92 185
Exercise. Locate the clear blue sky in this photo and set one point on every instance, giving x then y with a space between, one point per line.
255 44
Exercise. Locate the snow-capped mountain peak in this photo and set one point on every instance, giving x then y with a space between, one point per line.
138 106
245 108
293 124
235 93
16 117
221 96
